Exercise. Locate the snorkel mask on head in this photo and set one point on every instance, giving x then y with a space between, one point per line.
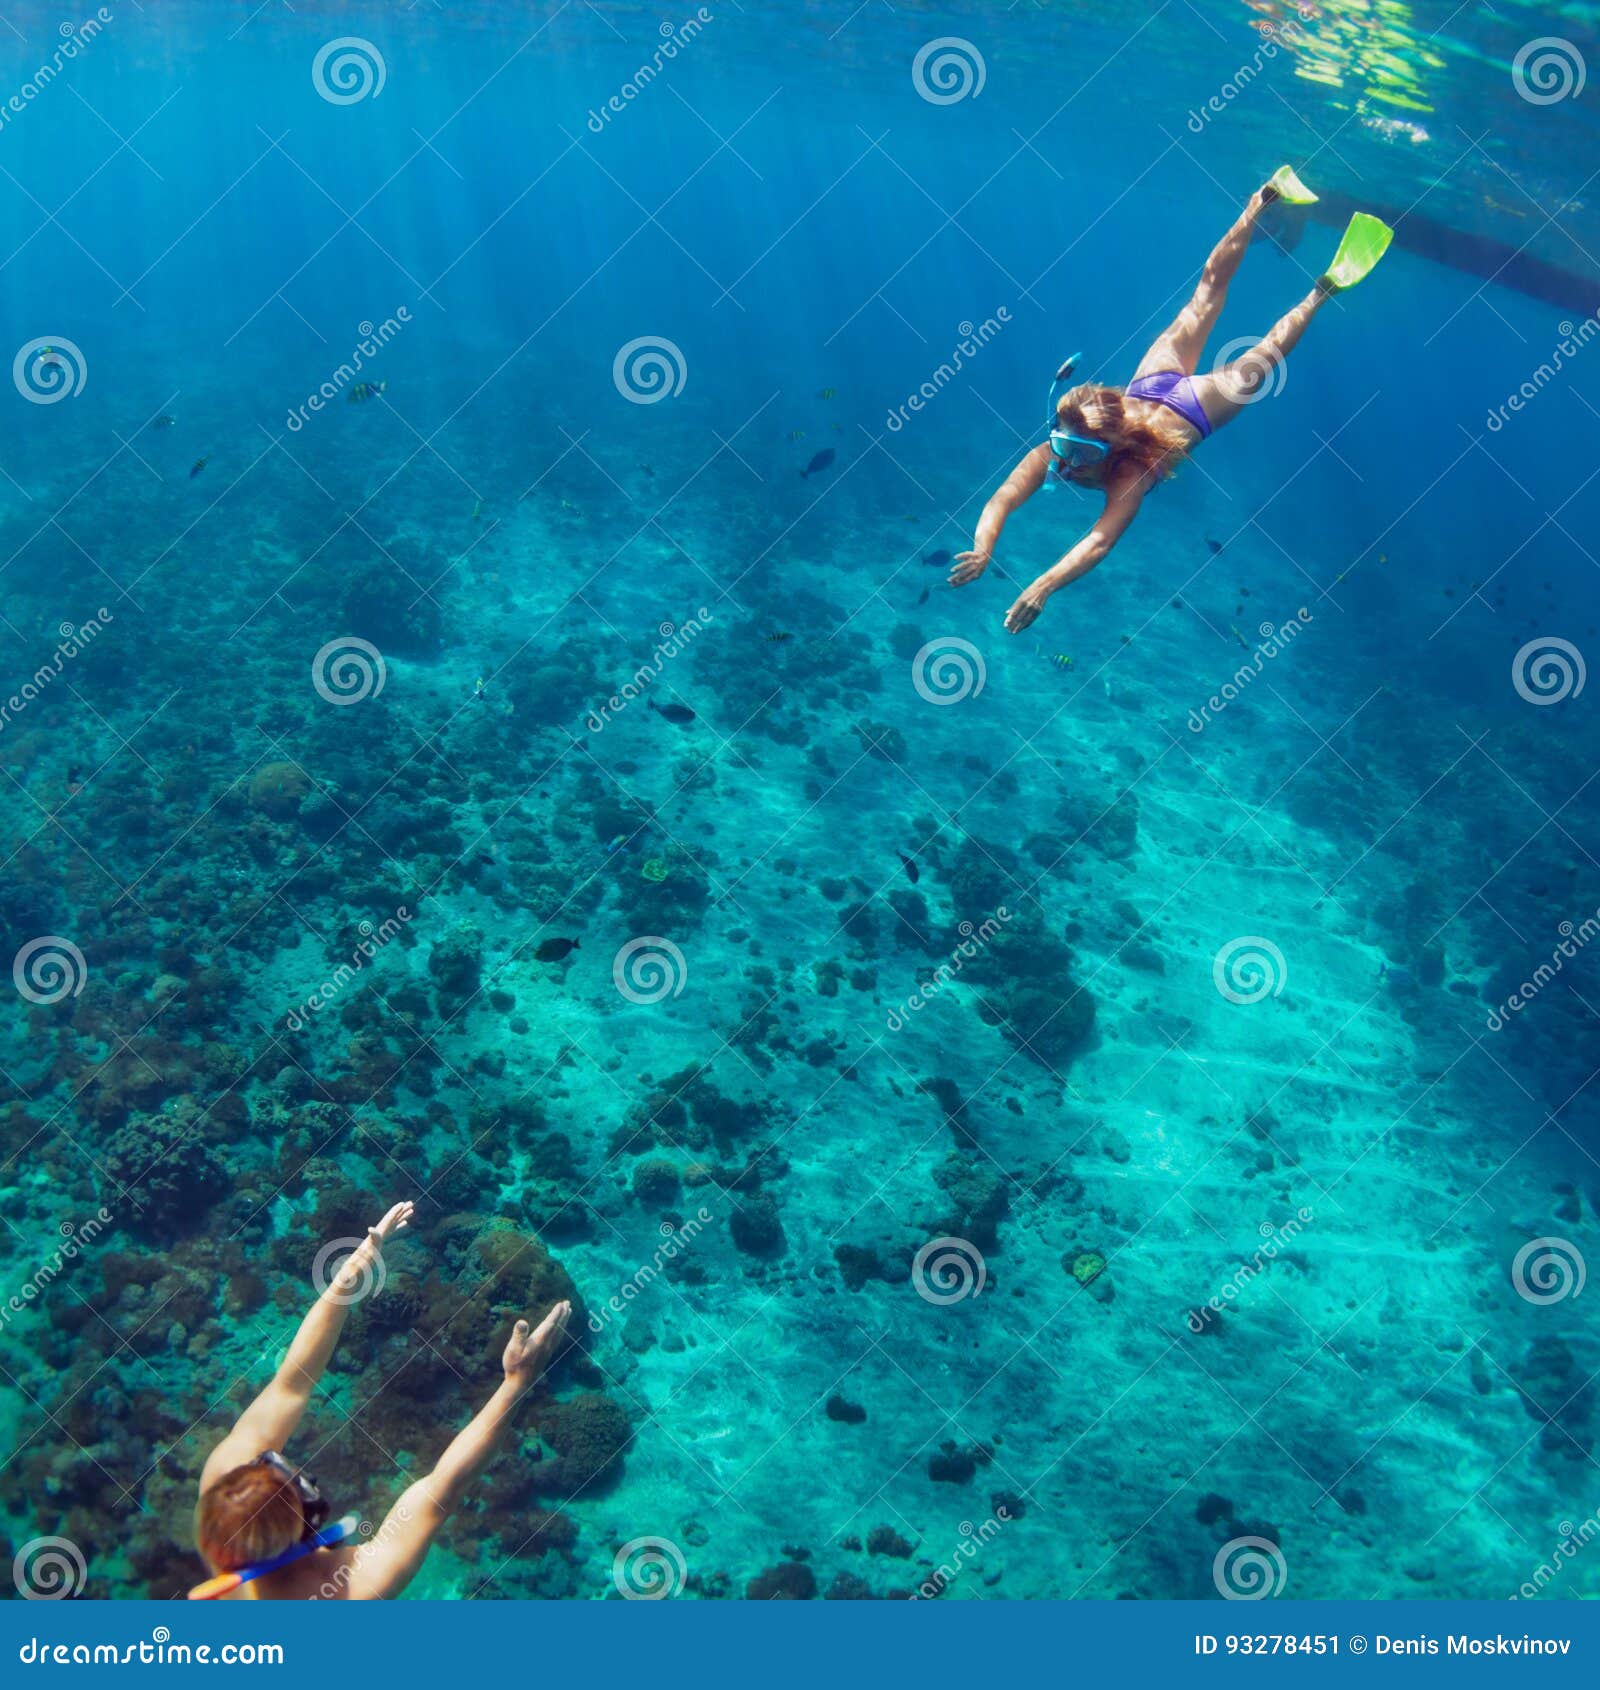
1068 451
313 1504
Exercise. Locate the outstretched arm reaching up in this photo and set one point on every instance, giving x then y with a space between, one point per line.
270 1421
384 1566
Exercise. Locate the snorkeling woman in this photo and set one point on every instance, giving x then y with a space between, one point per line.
259 1522
1124 441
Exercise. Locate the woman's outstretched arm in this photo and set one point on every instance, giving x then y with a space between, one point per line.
271 1419
1022 483
385 1565
1121 507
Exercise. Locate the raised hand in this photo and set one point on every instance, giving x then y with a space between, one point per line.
394 1221
529 1349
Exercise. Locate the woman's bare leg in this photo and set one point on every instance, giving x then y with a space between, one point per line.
1225 392
1182 343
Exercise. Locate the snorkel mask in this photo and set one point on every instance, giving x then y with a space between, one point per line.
1068 451
313 1504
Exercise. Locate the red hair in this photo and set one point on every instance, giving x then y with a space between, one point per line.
248 1515
1148 446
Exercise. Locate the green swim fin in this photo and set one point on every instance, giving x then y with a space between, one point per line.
1366 240
1291 190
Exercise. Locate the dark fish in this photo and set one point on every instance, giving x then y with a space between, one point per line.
913 873
679 713
365 390
818 463
552 950
923 596
1215 545
779 637
1059 660
937 560
199 464
163 421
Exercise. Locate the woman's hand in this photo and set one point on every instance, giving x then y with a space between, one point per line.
968 567
1023 613
528 1351
395 1221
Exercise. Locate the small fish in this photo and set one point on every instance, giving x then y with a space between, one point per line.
779 637
679 713
567 505
199 464
481 687
1060 660
797 434
922 597
365 390
163 421
1243 642
827 393
819 463
553 950
913 873
477 510
936 560
1215 545
616 844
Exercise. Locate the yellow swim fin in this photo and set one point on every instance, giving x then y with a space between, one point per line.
1290 189
1366 240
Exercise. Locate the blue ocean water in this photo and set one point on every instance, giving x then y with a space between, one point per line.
1098 1112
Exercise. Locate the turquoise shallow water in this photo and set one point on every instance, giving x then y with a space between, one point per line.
1182 1182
